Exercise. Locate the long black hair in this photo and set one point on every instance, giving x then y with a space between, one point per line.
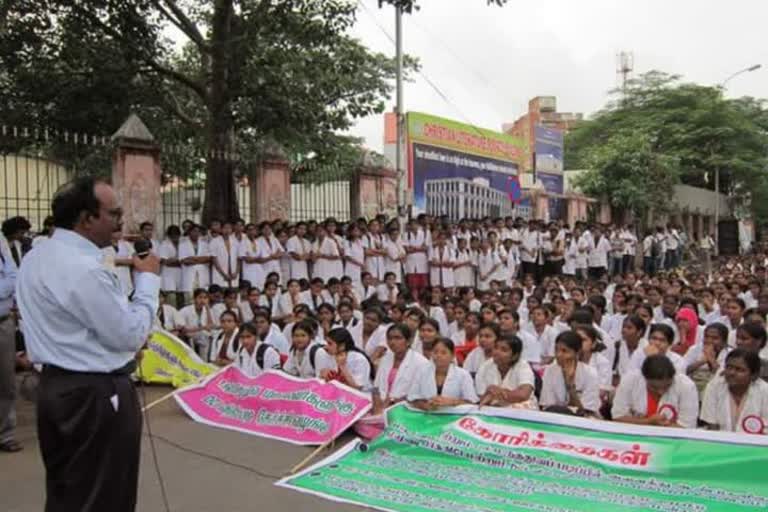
343 338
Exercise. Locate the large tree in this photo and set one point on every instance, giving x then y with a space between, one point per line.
223 76
659 132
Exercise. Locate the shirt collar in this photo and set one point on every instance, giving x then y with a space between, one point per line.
77 241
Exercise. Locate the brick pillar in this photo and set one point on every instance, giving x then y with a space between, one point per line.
270 186
136 175
373 190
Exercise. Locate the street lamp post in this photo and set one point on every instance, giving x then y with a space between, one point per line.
722 85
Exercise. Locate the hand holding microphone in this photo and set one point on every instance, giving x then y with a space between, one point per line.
144 260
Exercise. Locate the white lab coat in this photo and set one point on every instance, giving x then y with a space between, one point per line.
227 258
171 319
357 365
298 268
465 275
198 275
299 365
486 262
638 358
680 402
377 339
216 343
395 251
326 269
716 407
276 338
475 360
439 276
602 367
407 378
374 264
553 390
314 302
416 262
170 277
544 341
458 384
247 362
488 375
123 273
598 257
355 250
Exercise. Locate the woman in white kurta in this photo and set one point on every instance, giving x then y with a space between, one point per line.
660 340
254 357
400 368
222 351
506 380
656 395
354 257
299 363
591 354
195 262
488 264
395 258
441 263
446 385
272 251
225 267
374 251
464 272
329 262
568 382
253 256
737 400
342 361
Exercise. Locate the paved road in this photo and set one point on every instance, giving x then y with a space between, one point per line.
204 469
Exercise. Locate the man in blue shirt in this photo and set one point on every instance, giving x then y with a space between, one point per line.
7 351
79 325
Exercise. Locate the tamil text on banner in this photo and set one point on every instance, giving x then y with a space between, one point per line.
168 360
528 460
274 405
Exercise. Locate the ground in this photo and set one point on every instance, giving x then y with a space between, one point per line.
204 468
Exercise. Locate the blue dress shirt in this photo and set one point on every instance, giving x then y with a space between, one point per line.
75 314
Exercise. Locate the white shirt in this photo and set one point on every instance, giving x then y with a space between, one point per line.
76 315
227 258
624 366
544 341
416 262
374 264
170 276
377 339
717 404
488 375
553 390
458 384
301 247
171 319
216 344
254 273
123 273
531 244
680 402
358 366
411 368
599 255
475 360
248 363
638 358
197 274
602 367
441 276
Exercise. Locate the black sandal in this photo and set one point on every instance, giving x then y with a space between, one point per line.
11 446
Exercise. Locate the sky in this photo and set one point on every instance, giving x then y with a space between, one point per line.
489 61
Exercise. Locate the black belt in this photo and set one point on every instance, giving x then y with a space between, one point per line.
125 370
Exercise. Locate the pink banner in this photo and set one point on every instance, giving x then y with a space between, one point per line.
274 405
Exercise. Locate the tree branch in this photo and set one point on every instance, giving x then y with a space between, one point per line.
182 22
175 105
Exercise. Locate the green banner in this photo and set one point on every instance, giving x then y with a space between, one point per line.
543 462
446 133
168 360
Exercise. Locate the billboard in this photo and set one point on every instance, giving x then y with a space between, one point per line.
460 170
548 145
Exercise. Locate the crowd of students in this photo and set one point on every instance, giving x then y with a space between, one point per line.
498 312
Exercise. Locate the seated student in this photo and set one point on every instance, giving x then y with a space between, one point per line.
300 312
632 339
326 317
591 354
316 295
429 333
370 335
198 322
298 363
388 290
737 399
342 361
254 356
347 315
542 332
289 300
506 380
509 324
687 322
222 351
270 300
229 304
400 368
659 342
734 317
269 333
656 395
465 340
168 317
248 307
705 361
752 338
446 385
569 385
486 338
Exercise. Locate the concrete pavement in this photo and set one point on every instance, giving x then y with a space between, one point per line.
205 469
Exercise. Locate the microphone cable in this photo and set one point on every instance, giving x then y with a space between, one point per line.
148 424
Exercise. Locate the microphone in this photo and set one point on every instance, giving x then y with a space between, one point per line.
142 247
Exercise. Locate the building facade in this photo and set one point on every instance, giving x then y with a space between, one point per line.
459 198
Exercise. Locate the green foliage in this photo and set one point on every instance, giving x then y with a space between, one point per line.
662 132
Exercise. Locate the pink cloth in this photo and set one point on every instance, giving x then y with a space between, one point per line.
391 380
692 318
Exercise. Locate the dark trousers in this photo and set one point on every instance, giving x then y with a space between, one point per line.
528 268
90 450
629 263
649 265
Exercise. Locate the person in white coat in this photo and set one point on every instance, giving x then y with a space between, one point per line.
657 395
568 384
329 260
170 265
168 317
486 341
489 266
195 261
370 335
660 339
118 258
507 380
222 351
417 242
442 259
253 257
342 361
254 356
268 332
396 255
299 249
354 257
447 385
737 400
591 354
271 251
374 251
299 362
400 368
225 265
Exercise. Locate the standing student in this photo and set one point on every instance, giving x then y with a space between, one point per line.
85 333
195 262
271 252
8 274
396 255
298 248
118 256
254 356
441 263
447 385
170 264
253 258
374 252
488 264
649 262
225 268
416 265
530 247
598 257
329 258
354 257
584 244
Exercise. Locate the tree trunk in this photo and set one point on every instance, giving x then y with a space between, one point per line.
220 194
